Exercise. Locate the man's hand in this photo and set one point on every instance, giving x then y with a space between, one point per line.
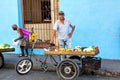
52 41
70 35
15 40
53 35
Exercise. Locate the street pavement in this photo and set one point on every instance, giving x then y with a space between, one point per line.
10 74
109 67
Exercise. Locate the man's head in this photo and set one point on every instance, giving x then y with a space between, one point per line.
61 15
14 27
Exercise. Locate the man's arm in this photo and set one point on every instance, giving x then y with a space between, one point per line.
70 34
21 35
53 36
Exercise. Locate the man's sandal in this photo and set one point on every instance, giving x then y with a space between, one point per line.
26 55
21 55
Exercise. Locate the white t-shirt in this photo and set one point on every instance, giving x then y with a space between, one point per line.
62 29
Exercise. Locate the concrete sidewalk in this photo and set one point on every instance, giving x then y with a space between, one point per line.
108 67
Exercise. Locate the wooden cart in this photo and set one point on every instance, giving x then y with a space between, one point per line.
70 53
67 69
2 57
70 68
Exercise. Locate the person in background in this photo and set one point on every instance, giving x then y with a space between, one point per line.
22 40
62 27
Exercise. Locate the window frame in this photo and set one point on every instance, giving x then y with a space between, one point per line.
23 20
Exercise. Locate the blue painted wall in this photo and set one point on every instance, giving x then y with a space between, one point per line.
8 17
97 23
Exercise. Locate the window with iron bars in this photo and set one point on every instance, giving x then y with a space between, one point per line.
37 11
40 15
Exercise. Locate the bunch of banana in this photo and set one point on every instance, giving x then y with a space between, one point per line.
32 37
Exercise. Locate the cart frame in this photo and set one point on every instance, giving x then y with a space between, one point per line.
68 69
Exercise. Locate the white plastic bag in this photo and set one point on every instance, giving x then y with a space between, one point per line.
15 43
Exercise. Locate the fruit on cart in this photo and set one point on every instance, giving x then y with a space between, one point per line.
89 49
78 48
69 49
5 46
62 49
56 49
97 49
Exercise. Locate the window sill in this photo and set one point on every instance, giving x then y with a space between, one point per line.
30 22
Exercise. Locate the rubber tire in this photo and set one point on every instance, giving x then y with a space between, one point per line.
1 60
61 76
16 68
77 59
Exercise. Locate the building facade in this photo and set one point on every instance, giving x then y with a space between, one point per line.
97 21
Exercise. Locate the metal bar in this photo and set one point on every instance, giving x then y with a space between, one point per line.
44 62
52 58
37 9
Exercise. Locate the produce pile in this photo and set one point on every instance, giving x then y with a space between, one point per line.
79 49
87 49
5 46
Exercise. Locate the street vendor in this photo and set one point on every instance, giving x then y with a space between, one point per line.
22 40
62 26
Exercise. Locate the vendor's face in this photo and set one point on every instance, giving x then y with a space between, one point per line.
14 28
61 17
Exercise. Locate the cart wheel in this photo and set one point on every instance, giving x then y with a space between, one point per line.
1 60
77 60
67 70
24 66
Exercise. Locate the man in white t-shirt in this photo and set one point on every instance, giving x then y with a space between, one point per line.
62 26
